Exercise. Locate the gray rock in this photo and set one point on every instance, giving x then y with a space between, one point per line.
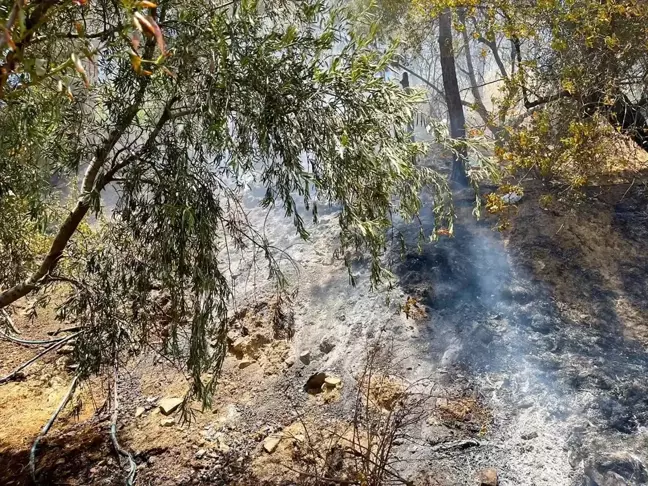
244 363
529 435
271 443
167 422
305 357
67 349
327 345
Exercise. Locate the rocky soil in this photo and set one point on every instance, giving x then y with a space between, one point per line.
530 346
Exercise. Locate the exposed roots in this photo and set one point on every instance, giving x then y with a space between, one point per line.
48 425
54 346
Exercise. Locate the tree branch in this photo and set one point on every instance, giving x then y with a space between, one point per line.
48 425
79 212
479 105
421 78
54 346
546 99
28 342
10 323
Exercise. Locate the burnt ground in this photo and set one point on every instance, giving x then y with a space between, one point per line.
549 320
535 340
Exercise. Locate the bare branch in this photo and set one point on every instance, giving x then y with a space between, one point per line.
54 346
28 342
10 323
48 425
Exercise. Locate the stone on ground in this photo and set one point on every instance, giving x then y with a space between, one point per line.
139 411
167 422
488 477
332 381
245 363
327 345
271 442
168 405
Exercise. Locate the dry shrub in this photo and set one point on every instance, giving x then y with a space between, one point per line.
359 451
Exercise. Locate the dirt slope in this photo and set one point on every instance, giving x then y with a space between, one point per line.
534 340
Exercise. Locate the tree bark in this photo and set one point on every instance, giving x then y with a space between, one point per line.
479 105
452 96
91 184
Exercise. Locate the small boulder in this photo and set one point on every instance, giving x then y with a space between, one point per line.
488 477
168 405
221 445
327 345
139 411
167 422
305 357
244 363
525 404
529 436
332 382
271 443
200 453
67 349
238 347
289 361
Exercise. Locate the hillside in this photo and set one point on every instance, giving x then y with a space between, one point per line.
523 351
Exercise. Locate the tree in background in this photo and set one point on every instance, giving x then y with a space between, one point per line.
456 116
559 86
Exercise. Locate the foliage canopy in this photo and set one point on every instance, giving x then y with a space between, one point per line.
177 108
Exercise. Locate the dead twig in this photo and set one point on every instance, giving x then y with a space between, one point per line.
132 473
9 321
54 346
459 444
321 479
48 425
627 191
65 329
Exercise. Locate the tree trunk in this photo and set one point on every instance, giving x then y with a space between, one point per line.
452 96
406 86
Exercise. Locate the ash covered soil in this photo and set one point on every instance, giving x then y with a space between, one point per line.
532 340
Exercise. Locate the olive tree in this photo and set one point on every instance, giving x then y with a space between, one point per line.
177 107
